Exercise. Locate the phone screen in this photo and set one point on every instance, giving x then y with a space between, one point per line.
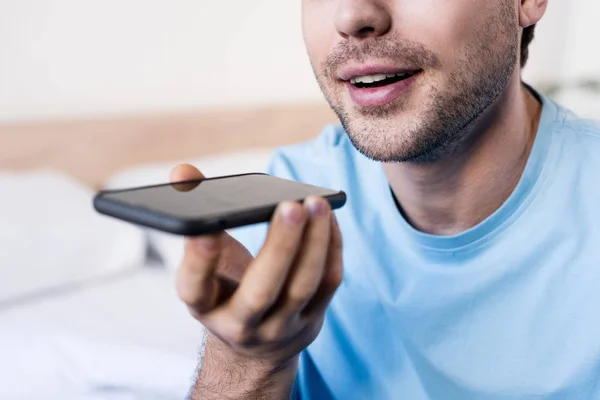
210 197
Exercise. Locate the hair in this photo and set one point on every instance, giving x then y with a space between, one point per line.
526 39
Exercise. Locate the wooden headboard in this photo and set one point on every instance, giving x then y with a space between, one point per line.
91 150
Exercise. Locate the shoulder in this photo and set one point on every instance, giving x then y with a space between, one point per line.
576 130
576 150
578 142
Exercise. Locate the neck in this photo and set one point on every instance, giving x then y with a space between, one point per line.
462 189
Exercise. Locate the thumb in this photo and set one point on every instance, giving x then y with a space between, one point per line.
185 172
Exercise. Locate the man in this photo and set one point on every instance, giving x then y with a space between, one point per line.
472 229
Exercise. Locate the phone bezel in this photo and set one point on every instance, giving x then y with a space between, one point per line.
166 222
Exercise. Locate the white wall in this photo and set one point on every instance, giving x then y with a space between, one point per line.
70 57
85 57
567 42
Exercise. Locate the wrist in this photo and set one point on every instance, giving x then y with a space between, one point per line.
226 374
259 366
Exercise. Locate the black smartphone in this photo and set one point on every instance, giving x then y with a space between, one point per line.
210 205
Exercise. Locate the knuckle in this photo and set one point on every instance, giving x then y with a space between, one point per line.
279 245
274 333
257 301
237 333
318 239
284 244
299 295
334 278
199 304
196 314
338 245
190 295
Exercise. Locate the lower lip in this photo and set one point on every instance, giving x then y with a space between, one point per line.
380 96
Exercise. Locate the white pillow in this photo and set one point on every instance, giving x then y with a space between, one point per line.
170 247
51 239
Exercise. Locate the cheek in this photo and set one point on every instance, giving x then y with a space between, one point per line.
318 29
444 27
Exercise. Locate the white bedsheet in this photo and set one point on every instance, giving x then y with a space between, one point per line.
126 337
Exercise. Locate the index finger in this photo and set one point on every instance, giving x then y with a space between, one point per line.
262 282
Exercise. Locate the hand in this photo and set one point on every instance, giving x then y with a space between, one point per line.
270 308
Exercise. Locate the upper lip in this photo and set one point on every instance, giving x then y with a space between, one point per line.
354 71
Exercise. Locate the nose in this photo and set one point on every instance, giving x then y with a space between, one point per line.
362 19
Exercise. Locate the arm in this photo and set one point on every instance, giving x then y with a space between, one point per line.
225 376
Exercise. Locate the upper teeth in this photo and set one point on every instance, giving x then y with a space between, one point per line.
375 78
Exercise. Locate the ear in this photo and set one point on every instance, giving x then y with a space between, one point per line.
531 11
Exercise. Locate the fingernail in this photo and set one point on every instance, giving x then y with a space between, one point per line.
316 206
205 244
291 213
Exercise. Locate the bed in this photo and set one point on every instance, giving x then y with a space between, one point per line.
88 308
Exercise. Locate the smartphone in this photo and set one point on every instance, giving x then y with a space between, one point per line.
210 205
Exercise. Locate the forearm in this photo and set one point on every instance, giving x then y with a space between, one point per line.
224 376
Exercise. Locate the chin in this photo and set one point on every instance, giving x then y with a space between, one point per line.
392 137
380 143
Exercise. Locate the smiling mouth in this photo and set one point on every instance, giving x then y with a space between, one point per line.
380 80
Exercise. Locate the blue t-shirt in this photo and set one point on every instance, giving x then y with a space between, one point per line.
509 309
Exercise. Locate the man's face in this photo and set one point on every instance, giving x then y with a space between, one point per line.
408 77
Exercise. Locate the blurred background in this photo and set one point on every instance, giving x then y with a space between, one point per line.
65 58
114 93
